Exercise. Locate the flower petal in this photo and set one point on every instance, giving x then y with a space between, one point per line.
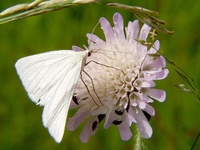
159 95
143 125
155 47
107 29
74 122
155 66
150 110
125 131
144 32
161 75
95 42
141 104
132 30
76 48
132 114
119 26
87 130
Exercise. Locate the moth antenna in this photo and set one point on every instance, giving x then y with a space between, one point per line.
95 27
91 35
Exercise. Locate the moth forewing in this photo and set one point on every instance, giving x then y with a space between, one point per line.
50 80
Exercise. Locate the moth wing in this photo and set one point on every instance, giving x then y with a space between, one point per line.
50 80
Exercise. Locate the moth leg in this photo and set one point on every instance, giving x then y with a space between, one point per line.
101 64
89 90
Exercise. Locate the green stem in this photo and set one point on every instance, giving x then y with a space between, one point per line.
138 141
41 9
38 7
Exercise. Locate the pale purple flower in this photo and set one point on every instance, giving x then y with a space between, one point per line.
120 85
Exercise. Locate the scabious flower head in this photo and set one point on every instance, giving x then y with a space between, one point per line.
118 83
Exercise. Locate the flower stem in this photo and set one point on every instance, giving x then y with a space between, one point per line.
138 142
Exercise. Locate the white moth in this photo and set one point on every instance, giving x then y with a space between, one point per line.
50 80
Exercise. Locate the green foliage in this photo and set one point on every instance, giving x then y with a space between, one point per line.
176 123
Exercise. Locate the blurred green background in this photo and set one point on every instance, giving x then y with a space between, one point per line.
177 120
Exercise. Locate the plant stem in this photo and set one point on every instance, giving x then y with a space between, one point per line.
138 141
